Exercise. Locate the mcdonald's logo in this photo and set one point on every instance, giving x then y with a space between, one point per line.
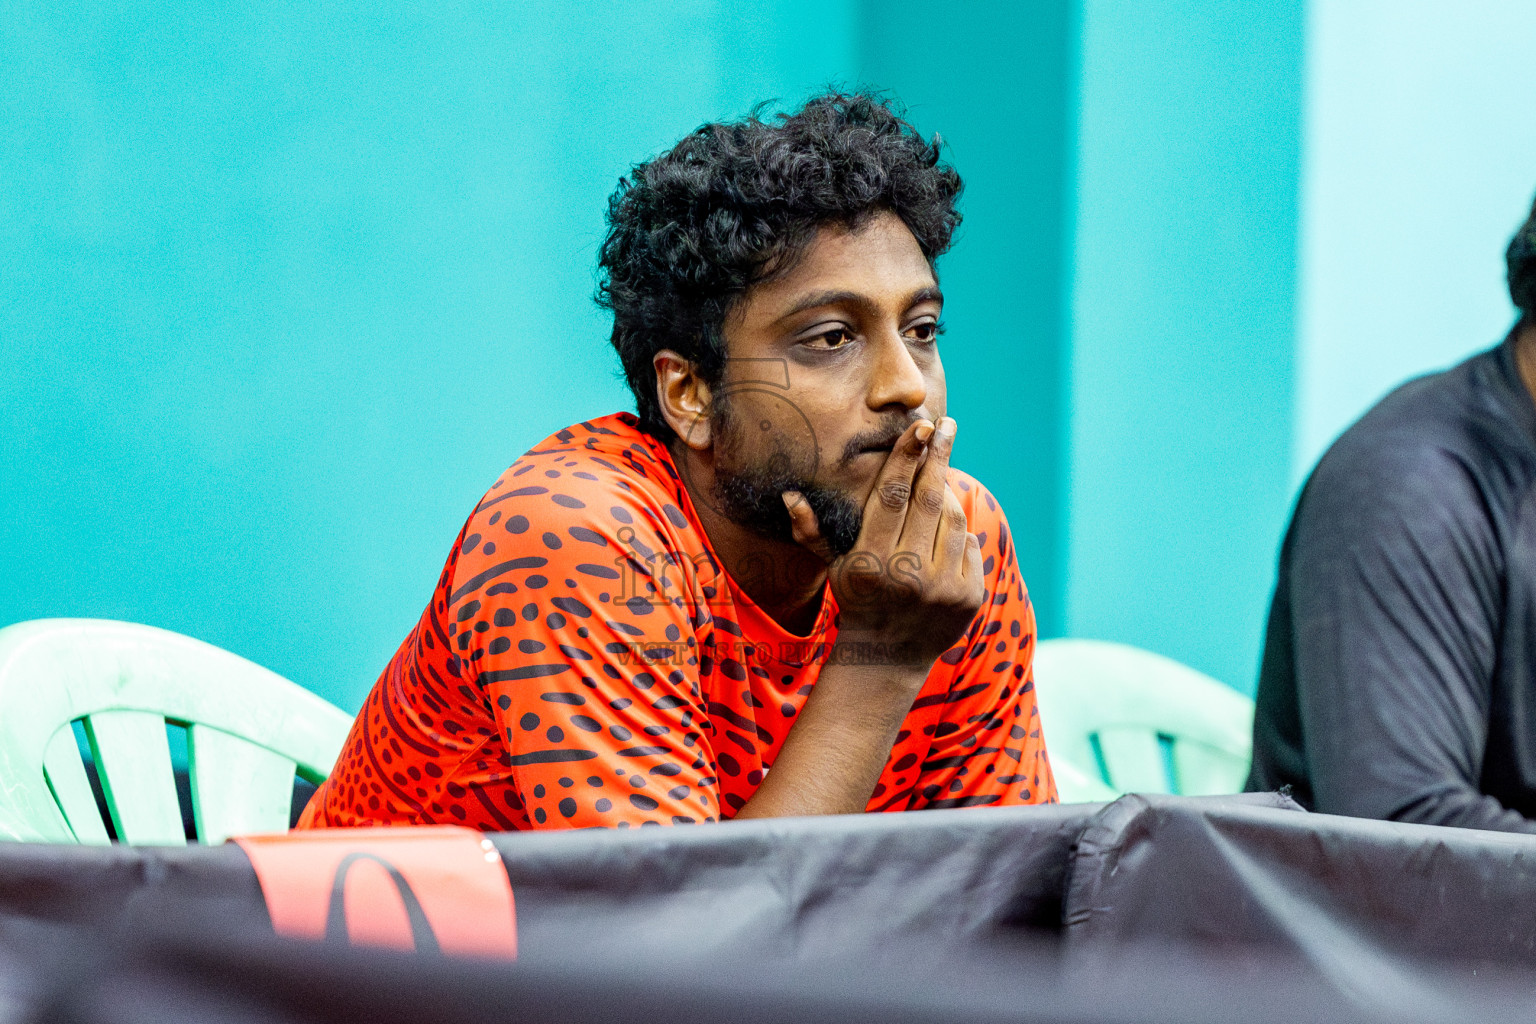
434 889
423 939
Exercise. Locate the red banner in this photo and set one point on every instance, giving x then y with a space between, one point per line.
438 888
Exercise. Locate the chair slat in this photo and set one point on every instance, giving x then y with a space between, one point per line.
237 787
1205 771
1090 688
57 671
1074 786
136 776
1134 760
72 788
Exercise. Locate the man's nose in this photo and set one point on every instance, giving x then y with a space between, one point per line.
897 379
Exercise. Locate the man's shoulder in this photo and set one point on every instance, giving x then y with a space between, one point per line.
984 517
1430 467
603 465
1462 415
970 490
602 450
587 500
983 512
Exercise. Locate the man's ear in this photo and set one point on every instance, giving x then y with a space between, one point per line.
685 399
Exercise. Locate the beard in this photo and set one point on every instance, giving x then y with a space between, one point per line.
752 476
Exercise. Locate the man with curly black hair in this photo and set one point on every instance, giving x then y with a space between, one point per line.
1399 672
771 566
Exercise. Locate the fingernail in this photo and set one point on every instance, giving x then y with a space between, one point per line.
791 499
924 432
947 426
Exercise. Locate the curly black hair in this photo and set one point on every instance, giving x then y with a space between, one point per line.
737 202
1520 257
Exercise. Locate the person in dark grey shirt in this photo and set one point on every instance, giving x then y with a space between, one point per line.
1399 670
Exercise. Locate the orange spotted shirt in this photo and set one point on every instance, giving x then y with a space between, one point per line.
586 661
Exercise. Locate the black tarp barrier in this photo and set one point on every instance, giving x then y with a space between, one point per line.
101 887
1370 905
777 886
766 884
1175 909
185 975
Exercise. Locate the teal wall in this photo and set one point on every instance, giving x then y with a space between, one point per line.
1182 332
999 87
282 290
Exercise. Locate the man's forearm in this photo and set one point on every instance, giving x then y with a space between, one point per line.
1467 810
833 757
1456 804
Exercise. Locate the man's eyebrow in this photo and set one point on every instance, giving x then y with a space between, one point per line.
928 293
816 299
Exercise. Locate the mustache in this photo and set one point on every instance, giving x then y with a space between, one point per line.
883 436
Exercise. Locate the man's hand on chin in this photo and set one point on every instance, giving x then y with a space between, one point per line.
905 593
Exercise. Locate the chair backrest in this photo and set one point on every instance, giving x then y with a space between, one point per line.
1138 721
249 733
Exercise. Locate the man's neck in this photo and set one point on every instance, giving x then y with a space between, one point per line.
782 578
1525 354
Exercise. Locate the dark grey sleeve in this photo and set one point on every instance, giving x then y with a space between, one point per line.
1396 596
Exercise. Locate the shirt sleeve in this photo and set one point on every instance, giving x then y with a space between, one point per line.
1395 596
987 746
590 673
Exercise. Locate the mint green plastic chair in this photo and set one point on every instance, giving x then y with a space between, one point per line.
249 733
1119 719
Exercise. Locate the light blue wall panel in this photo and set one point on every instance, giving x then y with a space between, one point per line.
1420 162
1182 333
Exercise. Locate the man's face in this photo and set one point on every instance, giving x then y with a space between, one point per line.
852 330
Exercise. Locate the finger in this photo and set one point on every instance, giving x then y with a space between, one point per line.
973 573
929 493
886 509
949 543
804 526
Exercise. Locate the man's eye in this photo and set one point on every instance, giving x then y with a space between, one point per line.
926 332
836 338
